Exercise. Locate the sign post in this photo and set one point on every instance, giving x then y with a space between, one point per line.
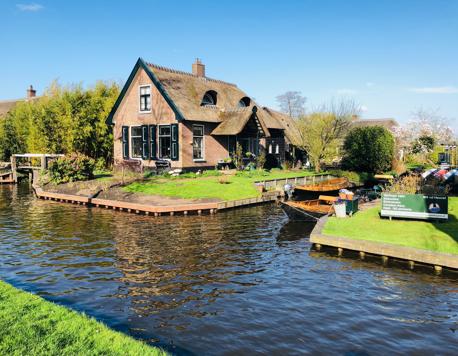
415 206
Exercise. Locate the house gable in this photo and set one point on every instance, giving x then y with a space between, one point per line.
142 65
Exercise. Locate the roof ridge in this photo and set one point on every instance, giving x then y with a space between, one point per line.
176 71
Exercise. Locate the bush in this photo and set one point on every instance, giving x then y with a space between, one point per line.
369 149
71 168
354 177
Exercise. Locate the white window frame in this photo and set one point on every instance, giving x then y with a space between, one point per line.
159 148
140 98
131 146
202 159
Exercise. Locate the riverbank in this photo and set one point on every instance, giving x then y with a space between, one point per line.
433 243
187 193
30 325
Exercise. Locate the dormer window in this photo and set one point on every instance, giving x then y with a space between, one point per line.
209 98
145 98
244 102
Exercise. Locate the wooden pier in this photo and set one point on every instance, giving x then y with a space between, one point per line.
385 251
30 163
154 210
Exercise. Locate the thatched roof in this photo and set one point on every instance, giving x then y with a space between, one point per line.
186 90
284 121
6 106
234 121
389 124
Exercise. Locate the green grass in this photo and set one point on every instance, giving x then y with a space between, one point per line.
29 325
239 186
367 225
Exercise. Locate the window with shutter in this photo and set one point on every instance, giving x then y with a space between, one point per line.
153 144
125 142
145 142
175 143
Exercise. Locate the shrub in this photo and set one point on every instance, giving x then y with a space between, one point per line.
71 168
354 177
369 149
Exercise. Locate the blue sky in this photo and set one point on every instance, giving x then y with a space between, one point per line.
392 57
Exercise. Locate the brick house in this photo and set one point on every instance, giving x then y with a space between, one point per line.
191 120
7 105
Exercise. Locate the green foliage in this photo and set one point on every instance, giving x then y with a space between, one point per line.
30 325
238 156
423 144
354 177
369 149
64 120
261 160
71 168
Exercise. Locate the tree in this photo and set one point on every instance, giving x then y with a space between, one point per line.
65 120
322 130
292 103
369 149
423 144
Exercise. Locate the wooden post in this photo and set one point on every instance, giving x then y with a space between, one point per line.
362 254
43 162
339 251
14 168
411 264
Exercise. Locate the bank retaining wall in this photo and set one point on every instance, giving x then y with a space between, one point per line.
384 250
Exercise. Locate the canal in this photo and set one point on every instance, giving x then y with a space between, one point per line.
238 282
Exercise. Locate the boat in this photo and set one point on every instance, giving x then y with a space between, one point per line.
329 185
309 210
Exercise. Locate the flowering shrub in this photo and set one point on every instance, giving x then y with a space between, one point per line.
71 168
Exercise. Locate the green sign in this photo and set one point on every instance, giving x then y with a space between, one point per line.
414 206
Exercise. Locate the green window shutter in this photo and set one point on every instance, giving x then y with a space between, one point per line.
145 142
125 142
153 142
175 143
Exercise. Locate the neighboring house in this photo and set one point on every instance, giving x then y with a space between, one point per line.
389 124
7 105
192 120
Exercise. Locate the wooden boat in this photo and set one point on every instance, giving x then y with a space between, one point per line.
309 210
325 186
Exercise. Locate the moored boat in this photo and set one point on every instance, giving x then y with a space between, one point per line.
309 210
329 185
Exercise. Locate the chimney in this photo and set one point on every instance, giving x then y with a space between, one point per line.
31 93
198 68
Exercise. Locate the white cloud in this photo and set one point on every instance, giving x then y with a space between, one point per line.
346 91
370 84
33 7
435 90
363 108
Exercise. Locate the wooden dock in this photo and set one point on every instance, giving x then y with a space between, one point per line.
30 163
183 209
385 251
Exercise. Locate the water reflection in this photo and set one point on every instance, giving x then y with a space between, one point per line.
240 282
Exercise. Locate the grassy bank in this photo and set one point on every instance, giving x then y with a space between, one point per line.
29 325
239 186
367 225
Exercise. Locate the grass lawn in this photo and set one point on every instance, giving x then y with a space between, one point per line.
367 225
29 325
239 186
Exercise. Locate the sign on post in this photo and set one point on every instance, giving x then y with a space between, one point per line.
414 206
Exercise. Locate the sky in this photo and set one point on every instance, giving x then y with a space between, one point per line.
392 57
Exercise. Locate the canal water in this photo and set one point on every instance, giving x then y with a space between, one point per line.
239 282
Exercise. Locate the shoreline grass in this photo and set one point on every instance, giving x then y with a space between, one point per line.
367 225
30 325
231 187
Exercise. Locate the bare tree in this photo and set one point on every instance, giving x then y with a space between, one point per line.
321 130
292 103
